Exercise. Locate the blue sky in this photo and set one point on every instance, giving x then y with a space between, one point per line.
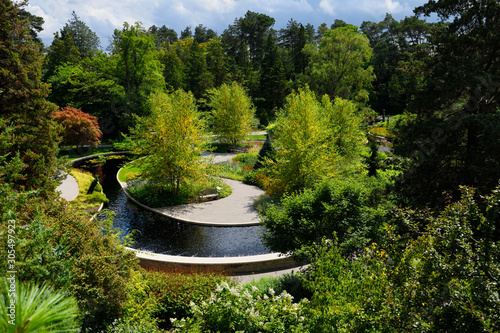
103 16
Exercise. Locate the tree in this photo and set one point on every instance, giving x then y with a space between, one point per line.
232 112
62 51
23 103
163 36
35 25
85 86
251 30
135 65
203 34
186 33
79 127
309 137
217 61
339 66
172 138
451 137
86 41
272 80
198 76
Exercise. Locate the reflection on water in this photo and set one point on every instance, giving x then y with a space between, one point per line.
163 235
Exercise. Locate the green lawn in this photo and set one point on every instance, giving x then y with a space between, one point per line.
128 172
74 153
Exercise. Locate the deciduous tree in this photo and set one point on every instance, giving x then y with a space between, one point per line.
310 139
80 128
339 66
232 112
172 138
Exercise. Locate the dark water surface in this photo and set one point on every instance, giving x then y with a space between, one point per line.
163 235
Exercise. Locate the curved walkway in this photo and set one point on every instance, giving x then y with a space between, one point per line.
232 211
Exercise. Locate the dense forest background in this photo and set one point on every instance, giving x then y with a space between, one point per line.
405 239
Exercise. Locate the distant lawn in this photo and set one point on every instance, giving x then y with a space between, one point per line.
74 152
129 172
89 203
257 137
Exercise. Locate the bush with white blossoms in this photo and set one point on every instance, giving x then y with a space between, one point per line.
230 309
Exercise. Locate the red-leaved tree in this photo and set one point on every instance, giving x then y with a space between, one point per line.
80 128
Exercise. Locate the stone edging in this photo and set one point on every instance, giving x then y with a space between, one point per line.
207 224
234 265
89 157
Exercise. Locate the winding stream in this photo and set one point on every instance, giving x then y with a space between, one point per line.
159 234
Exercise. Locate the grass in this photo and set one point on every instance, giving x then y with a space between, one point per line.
74 152
257 137
89 203
381 131
129 172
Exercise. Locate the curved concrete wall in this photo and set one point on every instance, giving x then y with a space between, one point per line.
231 265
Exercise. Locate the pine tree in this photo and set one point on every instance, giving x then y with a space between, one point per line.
23 103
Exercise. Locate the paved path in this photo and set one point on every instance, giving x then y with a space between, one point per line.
68 188
236 209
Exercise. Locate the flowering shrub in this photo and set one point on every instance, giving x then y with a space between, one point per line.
230 309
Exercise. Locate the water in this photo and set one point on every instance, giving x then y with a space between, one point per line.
160 234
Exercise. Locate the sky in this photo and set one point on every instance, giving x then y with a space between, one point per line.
104 16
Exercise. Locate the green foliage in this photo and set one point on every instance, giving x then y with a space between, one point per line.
265 152
174 290
232 113
446 263
158 195
86 86
135 66
290 283
438 272
316 140
86 41
230 309
338 66
350 208
173 138
351 296
23 103
121 326
55 243
27 307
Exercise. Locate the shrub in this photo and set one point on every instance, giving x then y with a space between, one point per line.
350 208
121 326
55 243
79 127
230 309
174 291
160 195
96 197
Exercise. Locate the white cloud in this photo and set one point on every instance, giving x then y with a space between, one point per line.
103 16
328 6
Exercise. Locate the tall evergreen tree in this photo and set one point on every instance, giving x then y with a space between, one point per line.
452 137
84 38
25 110
272 79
